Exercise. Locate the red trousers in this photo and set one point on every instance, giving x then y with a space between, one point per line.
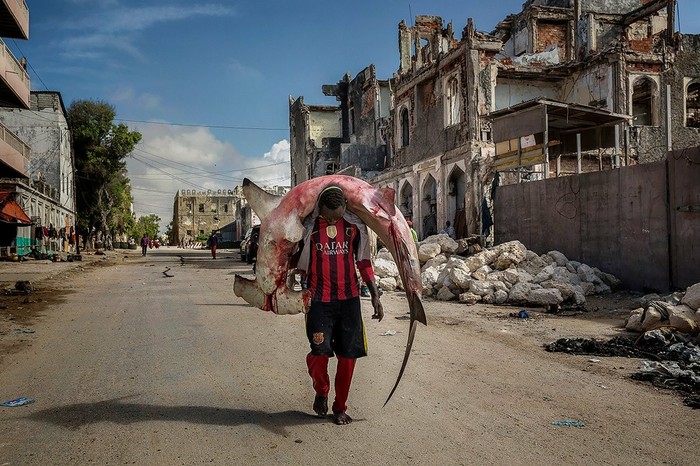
318 370
213 251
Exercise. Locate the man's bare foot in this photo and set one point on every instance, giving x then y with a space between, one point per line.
321 405
341 418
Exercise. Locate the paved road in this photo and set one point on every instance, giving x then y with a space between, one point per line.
133 367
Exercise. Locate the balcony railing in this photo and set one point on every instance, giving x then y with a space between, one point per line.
15 19
13 141
15 92
14 154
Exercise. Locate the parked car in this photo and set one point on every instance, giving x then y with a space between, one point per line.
249 245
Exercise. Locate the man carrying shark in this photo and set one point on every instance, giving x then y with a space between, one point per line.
334 247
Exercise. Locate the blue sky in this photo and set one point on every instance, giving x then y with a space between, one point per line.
229 66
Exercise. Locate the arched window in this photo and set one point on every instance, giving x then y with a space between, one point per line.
404 127
643 91
452 102
692 105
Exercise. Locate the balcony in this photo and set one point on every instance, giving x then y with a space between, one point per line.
14 155
14 19
14 80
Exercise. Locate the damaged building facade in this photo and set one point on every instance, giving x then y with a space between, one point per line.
562 87
197 213
351 137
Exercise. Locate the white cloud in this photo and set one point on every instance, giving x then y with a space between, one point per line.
243 72
110 26
127 95
279 152
170 158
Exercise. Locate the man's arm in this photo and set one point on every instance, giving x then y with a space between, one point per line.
367 273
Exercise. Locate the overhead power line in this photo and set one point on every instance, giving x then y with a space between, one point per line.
196 125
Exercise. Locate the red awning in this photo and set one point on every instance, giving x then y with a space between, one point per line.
11 212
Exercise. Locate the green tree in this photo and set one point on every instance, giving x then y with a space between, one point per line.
101 147
148 224
169 233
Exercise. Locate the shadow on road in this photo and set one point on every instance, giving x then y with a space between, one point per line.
82 414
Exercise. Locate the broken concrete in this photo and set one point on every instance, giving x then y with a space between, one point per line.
505 274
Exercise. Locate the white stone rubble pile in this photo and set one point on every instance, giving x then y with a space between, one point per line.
505 274
680 311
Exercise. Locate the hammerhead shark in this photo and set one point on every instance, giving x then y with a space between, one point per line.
281 230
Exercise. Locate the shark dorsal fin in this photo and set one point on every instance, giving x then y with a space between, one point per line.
260 200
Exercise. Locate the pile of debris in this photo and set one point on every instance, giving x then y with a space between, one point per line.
679 311
505 274
669 343
671 359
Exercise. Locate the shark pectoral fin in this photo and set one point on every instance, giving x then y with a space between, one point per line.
260 200
389 198
409 345
250 291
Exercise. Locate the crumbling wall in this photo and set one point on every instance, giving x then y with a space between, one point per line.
592 86
616 7
298 135
686 67
323 124
368 158
510 91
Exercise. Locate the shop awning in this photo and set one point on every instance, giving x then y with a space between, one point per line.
11 212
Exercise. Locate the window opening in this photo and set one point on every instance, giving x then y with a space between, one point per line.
404 127
452 101
692 106
642 100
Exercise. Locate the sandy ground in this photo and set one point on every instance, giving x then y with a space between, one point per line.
131 367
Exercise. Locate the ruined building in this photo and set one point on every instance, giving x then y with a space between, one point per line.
198 213
563 86
351 137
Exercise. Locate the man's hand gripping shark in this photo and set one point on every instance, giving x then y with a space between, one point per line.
282 229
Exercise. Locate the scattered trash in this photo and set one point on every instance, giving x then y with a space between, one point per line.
17 402
450 322
520 315
165 272
388 333
22 330
24 286
594 360
568 423
402 317
671 360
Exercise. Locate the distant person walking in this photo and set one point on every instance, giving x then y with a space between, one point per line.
144 244
213 242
